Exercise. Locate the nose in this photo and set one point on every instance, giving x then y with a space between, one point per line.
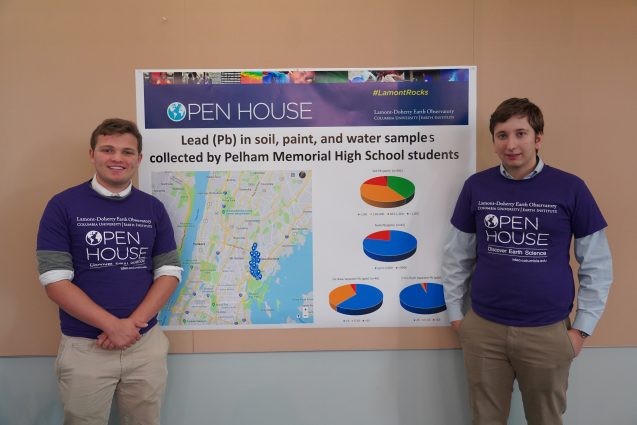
510 144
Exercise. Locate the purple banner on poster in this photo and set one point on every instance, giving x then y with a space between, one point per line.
417 103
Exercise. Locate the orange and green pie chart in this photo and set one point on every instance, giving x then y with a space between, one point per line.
387 191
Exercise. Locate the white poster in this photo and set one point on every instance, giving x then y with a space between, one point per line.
307 198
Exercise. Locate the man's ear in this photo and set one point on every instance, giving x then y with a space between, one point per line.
538 141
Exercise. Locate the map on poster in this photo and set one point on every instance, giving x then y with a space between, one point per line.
236 227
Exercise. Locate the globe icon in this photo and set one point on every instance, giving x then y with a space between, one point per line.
490 221
176 111
93 237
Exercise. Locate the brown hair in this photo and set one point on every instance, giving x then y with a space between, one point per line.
516 107
116 126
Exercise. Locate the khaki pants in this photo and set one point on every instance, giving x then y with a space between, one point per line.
495 355
89 377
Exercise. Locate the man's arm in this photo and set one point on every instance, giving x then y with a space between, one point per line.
159 293
458 262
167 274
56 274
595 276
121 332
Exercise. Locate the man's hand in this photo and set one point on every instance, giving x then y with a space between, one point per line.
577 340
121 335
125 332
456 325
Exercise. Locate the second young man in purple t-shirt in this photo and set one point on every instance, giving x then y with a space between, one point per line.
509 243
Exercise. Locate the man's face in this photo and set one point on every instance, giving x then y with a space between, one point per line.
516 144
116 159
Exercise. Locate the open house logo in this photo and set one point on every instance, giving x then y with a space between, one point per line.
176 111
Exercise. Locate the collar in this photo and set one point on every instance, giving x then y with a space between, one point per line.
107 193
538 168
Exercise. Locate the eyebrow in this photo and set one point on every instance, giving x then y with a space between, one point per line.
126 148
515 130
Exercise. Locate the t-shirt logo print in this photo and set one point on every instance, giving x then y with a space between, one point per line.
93 237
491 221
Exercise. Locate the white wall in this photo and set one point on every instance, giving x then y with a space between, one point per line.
371 388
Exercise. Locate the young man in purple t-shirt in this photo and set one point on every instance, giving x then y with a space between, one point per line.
107 257
509 243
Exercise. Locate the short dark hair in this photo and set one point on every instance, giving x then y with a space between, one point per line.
518 107
116 126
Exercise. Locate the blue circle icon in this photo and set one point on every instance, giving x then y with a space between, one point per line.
176 111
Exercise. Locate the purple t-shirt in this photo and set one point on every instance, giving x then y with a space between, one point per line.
112 243
523 235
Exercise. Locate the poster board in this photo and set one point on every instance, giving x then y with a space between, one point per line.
307 199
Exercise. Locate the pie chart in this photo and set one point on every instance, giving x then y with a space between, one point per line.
390 245
387 191
423 298
355 299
